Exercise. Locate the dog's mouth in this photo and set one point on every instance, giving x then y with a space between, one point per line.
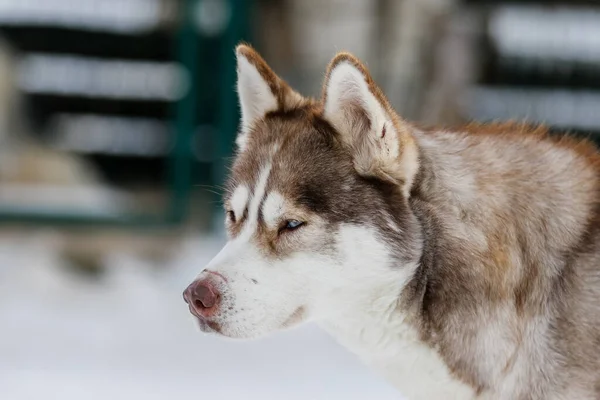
209 326
295 318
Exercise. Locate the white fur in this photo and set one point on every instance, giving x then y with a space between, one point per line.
259 194
239 200
273 209
256 98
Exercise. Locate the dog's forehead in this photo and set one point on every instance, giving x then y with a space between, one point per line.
302 159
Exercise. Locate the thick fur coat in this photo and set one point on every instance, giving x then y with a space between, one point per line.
459 263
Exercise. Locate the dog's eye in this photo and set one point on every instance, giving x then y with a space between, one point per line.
231 216
292 224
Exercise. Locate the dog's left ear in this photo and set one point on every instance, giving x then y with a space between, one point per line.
381 143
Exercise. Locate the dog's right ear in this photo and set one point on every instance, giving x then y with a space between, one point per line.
380 142
260 91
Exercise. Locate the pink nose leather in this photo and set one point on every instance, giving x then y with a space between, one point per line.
201 297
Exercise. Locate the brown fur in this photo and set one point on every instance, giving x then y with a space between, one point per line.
517 130
534 293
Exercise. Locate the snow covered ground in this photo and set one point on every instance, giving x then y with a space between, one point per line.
131 337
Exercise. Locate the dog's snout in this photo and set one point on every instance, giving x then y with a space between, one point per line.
201 296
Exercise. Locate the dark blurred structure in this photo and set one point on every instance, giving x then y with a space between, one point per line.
111 106
541 63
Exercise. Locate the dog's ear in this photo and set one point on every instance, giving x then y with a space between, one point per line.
260 90
381 143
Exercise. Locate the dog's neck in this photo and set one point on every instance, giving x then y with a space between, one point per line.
385 329
384 337
382 328
369 324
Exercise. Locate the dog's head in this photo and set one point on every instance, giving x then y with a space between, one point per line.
317 208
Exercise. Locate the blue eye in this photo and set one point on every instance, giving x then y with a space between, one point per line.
293 224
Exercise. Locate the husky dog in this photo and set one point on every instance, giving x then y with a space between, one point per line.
460 264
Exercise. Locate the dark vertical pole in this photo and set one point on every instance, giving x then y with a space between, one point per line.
185 118
238 29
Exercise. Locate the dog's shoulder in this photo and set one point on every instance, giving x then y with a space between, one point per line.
511 220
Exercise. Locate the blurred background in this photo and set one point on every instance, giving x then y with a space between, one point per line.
117 120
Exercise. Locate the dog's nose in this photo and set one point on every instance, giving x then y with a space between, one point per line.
200 296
